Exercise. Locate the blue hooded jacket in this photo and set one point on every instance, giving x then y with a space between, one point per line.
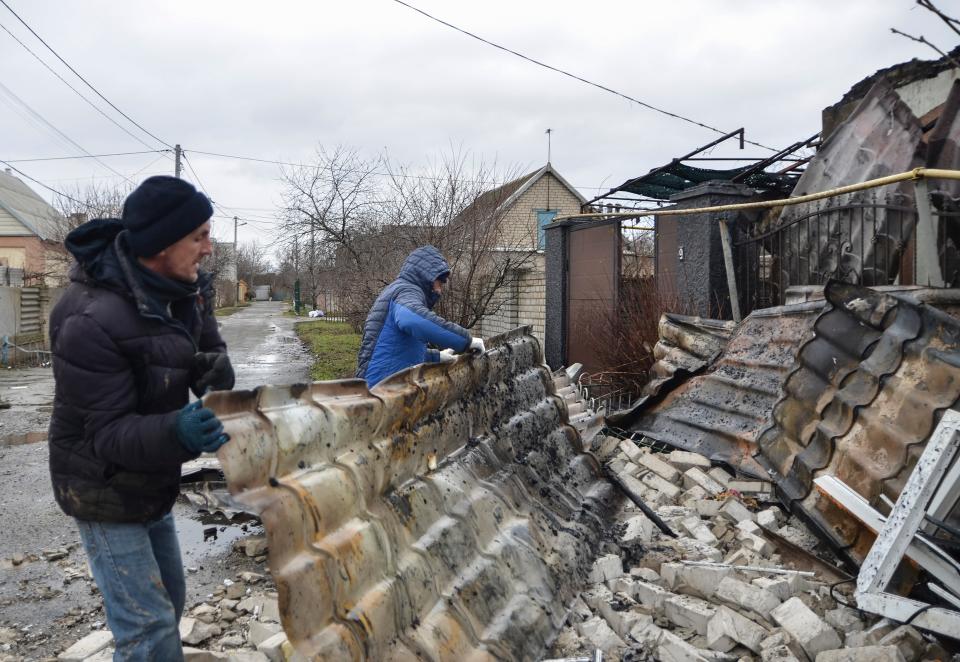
400 323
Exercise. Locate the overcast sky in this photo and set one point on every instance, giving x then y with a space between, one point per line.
274 80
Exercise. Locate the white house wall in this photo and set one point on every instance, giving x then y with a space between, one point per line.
11 227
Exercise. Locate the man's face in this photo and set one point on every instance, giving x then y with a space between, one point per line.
438 286
181 261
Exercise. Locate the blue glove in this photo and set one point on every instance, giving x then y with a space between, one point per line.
199 430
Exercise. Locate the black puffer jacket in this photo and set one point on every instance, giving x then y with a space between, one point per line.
123 365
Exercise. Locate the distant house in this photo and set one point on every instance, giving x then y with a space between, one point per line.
30 236
523 207
223 263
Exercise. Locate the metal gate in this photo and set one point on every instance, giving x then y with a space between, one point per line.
869 243
593 290
31 320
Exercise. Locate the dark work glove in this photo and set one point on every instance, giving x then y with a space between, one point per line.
211 372
199 430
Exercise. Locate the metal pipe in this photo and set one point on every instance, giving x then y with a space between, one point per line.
644 508
751 568
912 175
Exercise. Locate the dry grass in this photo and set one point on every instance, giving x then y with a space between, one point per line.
334 346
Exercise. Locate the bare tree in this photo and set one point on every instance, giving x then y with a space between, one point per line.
251 261
950 22
351 229
457 207
327 205
76 207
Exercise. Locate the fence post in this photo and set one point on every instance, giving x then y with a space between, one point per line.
928 257
727 245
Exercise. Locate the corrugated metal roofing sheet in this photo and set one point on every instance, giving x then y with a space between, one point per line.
721 413
686 346
448 514
866 392
851 386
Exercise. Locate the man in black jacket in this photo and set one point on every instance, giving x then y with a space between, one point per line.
133 332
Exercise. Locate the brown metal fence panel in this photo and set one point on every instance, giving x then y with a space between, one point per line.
592 291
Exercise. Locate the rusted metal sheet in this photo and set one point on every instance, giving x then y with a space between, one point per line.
721 413
686 346
866 393
447 514
849 386
862 243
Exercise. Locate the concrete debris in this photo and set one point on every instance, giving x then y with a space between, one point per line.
688 612
259 632
753 488
844 619
747 597
601 635
696 477
255 546
277 648
728 628
217 628
606 568
812 633
193 631
721 590
908 641
734 511
865 654
701 581
89 646
638 529
664 470
684 460
872 635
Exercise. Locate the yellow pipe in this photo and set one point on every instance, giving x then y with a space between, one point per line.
916 173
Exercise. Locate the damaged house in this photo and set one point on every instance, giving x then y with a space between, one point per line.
783 488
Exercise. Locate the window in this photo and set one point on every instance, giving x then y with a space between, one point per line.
544 216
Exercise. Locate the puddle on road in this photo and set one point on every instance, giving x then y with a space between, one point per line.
202 537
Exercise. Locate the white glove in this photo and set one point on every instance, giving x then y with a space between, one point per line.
447 356
476 345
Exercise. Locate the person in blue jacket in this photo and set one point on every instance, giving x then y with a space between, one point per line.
401 324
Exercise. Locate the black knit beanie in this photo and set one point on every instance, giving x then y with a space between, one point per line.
162 211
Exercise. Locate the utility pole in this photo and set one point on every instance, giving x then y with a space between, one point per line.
177 167
236 264
313 273
296 278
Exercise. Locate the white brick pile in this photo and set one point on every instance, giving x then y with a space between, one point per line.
656 598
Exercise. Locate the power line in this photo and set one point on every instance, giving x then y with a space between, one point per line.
195 175
39 183
77 74
376 174
6 90
88 156
75 90
570 75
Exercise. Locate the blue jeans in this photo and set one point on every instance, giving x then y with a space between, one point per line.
140 575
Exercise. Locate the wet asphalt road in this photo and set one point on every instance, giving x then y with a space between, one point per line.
37 595
263 347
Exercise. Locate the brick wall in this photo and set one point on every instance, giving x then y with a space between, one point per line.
505 318
518 229
519 232
23 253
